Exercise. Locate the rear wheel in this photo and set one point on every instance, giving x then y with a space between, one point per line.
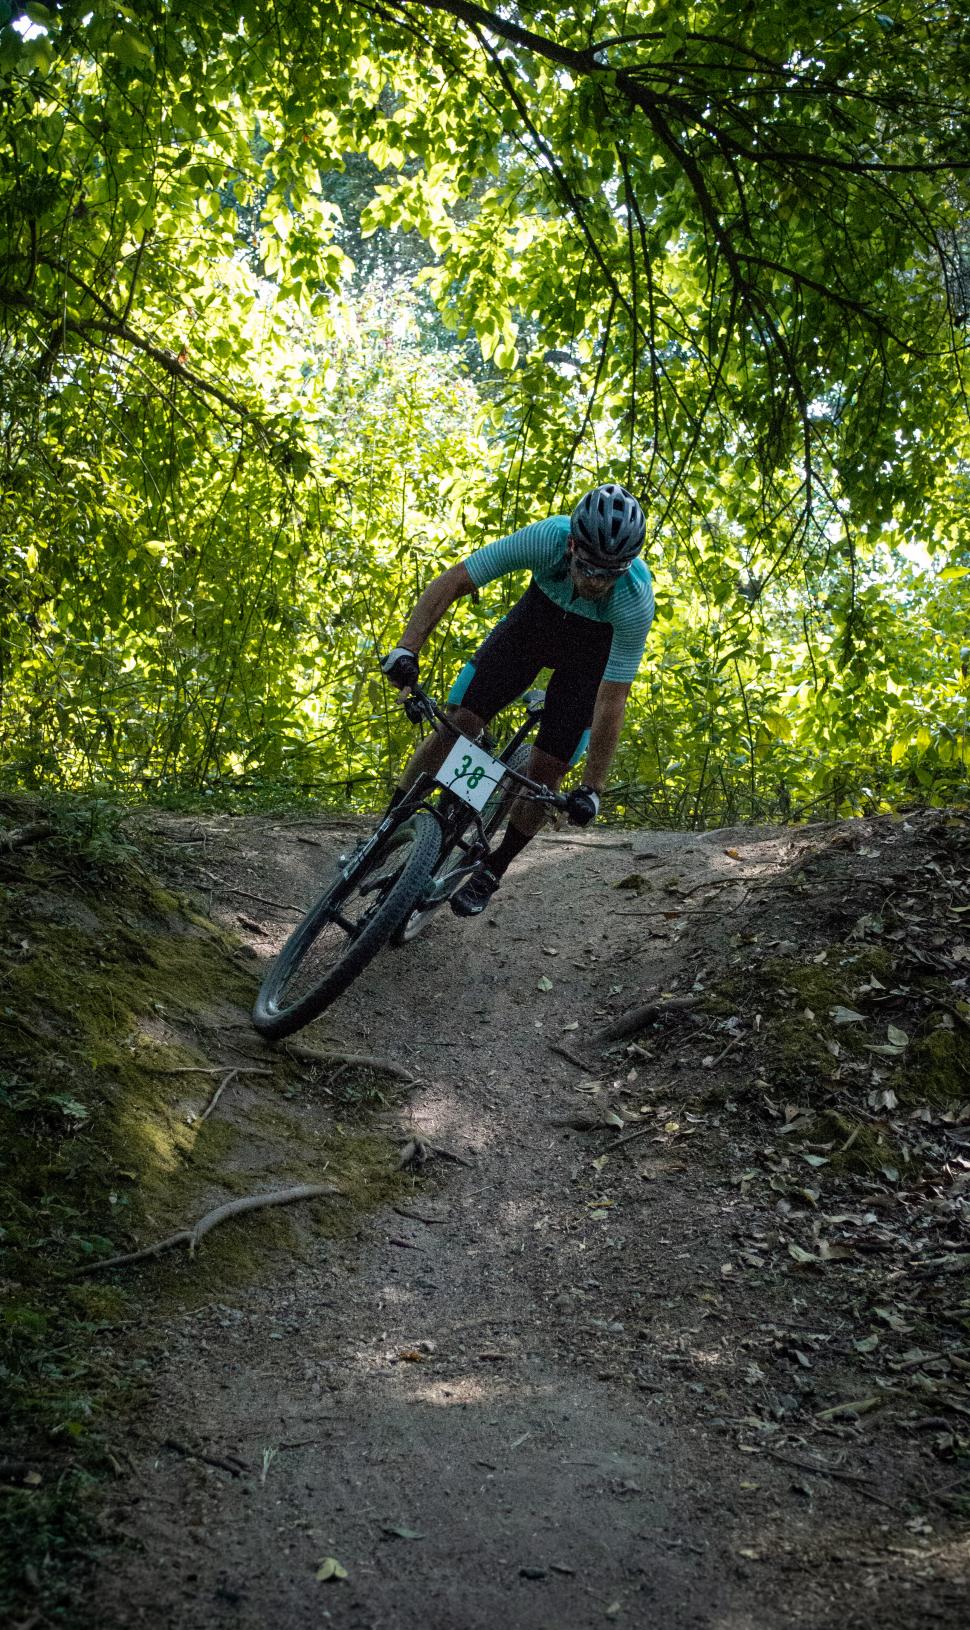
454 860
355 915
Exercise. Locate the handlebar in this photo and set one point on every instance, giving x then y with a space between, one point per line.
423 709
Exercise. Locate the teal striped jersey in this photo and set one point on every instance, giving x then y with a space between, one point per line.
541 548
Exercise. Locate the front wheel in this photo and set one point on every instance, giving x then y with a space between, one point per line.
355 915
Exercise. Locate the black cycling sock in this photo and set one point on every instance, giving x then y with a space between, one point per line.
511 845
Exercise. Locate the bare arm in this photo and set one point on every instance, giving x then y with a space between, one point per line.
434 602
604 732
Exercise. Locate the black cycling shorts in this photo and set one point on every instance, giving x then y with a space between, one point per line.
538 634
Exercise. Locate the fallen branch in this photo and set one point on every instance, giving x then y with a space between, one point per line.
710 883
636 1017
220 1089
236 1467
22 836
361 1061
574 1058
724 1050
232 1208
855 1478
629 1137
591 843
417 1216
418 1151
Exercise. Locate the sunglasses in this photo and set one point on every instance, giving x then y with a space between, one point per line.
587 569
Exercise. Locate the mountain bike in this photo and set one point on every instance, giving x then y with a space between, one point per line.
390 886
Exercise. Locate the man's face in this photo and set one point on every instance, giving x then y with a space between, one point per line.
589 583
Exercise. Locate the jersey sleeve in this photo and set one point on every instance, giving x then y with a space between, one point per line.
532 548
630 629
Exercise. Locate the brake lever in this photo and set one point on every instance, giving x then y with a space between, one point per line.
414 709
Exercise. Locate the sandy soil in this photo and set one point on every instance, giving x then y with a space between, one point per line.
563 1384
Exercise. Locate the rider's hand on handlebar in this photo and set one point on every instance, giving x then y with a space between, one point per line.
582 806
400 666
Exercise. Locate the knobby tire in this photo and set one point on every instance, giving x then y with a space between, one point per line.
274 1020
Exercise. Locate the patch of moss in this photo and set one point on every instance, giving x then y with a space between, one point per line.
796 1000
107 981
936 1070
45 1541
858 1146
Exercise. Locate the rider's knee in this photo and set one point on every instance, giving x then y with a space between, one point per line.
465 720
543 767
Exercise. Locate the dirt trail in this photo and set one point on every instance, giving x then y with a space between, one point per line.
522 1402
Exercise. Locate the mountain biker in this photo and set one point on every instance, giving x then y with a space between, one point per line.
586 615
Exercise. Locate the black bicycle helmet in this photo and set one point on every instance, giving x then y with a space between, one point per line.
608 526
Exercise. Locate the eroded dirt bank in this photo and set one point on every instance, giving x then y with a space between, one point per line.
711 1376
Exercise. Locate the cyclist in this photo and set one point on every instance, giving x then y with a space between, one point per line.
586 615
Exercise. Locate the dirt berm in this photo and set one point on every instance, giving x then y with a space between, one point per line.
669 1327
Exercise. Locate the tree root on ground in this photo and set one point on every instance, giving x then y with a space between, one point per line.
22 836
360 1061
232 1208
629 1023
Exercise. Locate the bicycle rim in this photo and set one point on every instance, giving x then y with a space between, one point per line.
346 928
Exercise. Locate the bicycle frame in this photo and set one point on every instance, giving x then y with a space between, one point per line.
454 816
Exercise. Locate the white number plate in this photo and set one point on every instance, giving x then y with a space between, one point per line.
470 773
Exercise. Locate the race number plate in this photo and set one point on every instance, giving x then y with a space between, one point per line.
470 773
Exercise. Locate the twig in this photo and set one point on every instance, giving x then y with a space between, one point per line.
732 1043
855 1478
232 1208
711 883
361 1061
574 1058
415 1216
670 912
236 1467
939 1001
629 1137
592 843
276 905
636 1017
220 1089
22 836
417 1151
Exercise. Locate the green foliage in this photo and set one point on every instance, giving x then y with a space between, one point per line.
45 1542
720 256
